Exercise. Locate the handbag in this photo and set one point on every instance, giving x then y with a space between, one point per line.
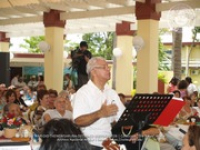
150 143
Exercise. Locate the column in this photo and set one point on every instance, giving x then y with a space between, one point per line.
53 60
124 67
4 59
4 42
147 60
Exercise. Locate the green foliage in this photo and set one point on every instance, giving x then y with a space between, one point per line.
162 55
100 44
161 76
32 44
195 31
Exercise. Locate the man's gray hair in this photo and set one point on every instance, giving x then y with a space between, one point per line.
92 63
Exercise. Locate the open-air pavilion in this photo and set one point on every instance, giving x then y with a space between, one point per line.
56 18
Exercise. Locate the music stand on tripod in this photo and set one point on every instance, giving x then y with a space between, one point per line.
146 109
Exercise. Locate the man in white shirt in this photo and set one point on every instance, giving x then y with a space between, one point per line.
33 83
95 105
15 81
191 89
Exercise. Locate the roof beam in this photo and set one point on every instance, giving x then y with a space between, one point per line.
38 7
97 13
98 3
21 20
119 2
25 10
58 6
90 29
25 33
167 6
77 5
9 12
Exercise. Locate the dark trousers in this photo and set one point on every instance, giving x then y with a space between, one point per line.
82 79
96 147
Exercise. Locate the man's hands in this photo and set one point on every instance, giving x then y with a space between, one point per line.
108 110
105 111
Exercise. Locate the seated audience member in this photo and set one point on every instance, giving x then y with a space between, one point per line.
2 103
32 83
59 112
194 99
15 80
10 97
41 87
53 94
191 140
40 80
191 89
65 94
187 111
173 83
43 101
72 138
28 94
21 83
14 109
182 87
2 87
177 93
20 101
68 84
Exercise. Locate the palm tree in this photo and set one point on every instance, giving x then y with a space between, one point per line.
176 52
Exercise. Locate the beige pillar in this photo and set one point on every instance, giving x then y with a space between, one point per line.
147 59
4 42
53 61
124 67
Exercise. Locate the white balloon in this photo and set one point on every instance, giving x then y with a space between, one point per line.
44 46
117 52
138 43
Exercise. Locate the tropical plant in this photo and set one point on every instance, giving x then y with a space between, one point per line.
100 44
31 44
162 77
162 56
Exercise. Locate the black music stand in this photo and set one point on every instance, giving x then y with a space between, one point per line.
143 110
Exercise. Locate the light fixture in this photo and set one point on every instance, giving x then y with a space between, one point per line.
44 46
138 43
117 52
181 15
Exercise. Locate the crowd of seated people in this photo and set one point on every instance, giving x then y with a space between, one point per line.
61 112
16 100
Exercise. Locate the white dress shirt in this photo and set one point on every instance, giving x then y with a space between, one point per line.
89 99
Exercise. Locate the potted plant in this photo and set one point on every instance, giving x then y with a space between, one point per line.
10 125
